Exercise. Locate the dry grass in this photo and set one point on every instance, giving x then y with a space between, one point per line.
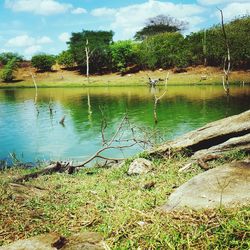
118 206
63 78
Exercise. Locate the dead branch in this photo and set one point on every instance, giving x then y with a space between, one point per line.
156 100
227 59
62 120
53 168
34 82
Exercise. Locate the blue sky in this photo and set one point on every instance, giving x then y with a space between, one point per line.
32 26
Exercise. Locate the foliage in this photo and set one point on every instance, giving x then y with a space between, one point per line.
43 62
98 43
123 54
160 24
5 57
66 59
239 43
163 51
7 74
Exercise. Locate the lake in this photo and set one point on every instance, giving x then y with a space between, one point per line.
32 130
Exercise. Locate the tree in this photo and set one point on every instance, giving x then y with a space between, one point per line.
160 24
7 74
163 51
98 47
238 36
43 62
123 54
65 58
5 57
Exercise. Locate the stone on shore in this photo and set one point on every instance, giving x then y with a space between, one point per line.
227 186
140 166
53 241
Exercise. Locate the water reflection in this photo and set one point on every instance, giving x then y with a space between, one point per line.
33 131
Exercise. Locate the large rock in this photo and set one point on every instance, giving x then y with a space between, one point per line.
241 143
140 166
227 185
210 135
52 241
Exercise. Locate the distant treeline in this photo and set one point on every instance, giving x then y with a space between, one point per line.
158 45
161 50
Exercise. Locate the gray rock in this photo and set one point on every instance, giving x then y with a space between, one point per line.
42 242
140 166
52 241
210 135
227 185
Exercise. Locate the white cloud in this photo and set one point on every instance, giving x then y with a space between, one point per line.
64 37
103 12
236 9
31 50
78 11
127 20
44 40
26 41
40 7
214 2
20 41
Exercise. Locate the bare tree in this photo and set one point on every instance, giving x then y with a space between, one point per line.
204 45
87 52
227 59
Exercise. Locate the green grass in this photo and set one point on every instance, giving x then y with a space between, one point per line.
118 206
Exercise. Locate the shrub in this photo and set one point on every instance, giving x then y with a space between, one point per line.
43 62
7 74
65 58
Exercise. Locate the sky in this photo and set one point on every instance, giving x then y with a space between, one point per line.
34 26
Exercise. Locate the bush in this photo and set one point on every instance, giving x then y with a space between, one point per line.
123 54
65 58
5 57
43 62
163 51
7 74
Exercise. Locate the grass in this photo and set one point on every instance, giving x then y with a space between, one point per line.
118 206
63 78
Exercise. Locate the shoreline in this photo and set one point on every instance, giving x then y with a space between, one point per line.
65 79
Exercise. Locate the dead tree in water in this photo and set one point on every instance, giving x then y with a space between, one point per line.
118 141
156 100
34 82
227 59
87 52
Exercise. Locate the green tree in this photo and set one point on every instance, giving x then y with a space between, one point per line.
163 51
238 36
7 74
43 62
123 54
65 58
98 47
7 56
160 24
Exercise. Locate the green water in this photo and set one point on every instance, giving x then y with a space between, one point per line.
33 133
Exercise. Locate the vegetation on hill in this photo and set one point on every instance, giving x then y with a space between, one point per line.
161 45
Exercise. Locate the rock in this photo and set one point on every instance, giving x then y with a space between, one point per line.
22 192
42 242
86 241
140 166
237 143
227 185
53 241
210 135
